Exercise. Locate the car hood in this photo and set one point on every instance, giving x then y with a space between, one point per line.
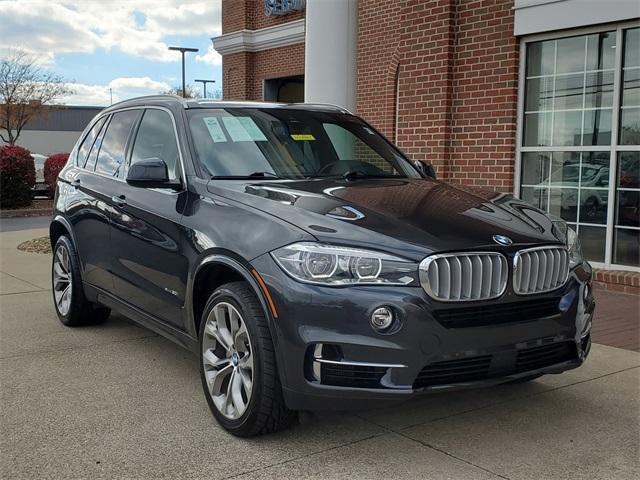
410 216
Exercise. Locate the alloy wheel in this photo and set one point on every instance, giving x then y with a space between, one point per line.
62 280
228 361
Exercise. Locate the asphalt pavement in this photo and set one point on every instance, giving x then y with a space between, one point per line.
117 401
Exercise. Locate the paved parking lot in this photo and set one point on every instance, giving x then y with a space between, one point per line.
116 400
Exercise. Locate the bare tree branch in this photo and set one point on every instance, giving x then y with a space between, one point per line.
192 91
26 91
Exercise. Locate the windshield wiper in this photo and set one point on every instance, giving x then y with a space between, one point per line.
263 174
354 174
250 175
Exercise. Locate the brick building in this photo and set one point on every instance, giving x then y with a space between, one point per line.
538 98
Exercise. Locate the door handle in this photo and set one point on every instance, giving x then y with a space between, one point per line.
119 200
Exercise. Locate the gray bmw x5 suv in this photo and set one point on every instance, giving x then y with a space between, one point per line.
306 261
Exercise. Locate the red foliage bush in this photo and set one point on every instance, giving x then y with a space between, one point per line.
17 177
52 167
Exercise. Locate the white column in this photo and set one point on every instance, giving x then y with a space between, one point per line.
331 50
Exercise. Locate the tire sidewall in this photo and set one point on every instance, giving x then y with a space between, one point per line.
74 314
246 420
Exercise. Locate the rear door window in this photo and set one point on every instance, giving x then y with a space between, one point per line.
83 151
90 164
112 150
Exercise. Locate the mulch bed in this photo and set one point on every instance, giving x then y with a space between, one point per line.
37 245
39 207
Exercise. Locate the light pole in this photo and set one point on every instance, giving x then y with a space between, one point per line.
182 50
204 83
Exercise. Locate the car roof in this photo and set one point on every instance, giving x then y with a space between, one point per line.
190 103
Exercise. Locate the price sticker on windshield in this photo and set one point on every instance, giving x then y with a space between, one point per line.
215 130
303 137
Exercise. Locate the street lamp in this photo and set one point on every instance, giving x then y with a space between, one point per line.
182 50
204 83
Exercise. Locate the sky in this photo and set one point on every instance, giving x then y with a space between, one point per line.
116 47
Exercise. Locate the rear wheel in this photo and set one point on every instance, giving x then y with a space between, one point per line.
71 305
238 367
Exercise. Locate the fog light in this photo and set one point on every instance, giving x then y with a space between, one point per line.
381 318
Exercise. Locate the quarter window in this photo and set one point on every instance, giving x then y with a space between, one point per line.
112 149
156 138
580 137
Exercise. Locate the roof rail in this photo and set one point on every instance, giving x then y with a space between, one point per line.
342 109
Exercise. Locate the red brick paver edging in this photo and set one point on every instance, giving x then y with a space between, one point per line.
25 213
617 281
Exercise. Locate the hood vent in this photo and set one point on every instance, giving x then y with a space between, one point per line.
464 277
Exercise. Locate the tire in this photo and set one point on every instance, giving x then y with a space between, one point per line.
75 310
238 370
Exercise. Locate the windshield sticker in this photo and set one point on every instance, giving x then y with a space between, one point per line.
243 129
252 129
215 130
303 137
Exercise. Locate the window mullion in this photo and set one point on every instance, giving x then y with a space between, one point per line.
613 156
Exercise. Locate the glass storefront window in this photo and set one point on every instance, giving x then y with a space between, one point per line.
571 140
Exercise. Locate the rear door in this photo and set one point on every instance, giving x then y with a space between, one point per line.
150 269
97 182
88 212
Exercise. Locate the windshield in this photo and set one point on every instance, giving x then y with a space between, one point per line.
287 143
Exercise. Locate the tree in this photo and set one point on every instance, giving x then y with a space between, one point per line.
26 90
192 91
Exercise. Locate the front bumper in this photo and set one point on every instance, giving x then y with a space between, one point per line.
329 357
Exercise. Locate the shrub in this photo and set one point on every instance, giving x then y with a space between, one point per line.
52 167
17 177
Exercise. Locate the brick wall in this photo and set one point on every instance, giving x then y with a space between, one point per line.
243 74
457 66
250 15
277 62
617 281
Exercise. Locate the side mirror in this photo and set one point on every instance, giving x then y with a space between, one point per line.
425 169
150 173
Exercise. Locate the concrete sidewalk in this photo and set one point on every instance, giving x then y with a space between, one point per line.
116 400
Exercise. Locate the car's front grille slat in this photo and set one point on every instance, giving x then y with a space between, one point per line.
540 269
461 277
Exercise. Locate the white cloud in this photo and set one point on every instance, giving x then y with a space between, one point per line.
136 27
120 88
211 57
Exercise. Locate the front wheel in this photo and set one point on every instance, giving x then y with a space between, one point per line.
238 367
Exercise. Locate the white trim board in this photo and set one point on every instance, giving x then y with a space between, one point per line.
538 16
290 33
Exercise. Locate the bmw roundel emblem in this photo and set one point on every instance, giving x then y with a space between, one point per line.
502 240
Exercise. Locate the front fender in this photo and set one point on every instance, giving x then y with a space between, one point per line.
250 275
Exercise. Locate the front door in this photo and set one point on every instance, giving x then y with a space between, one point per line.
150 269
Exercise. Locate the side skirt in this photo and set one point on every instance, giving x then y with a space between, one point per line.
142 318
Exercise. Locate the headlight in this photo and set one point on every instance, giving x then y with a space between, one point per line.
574 248
568 235
335 266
